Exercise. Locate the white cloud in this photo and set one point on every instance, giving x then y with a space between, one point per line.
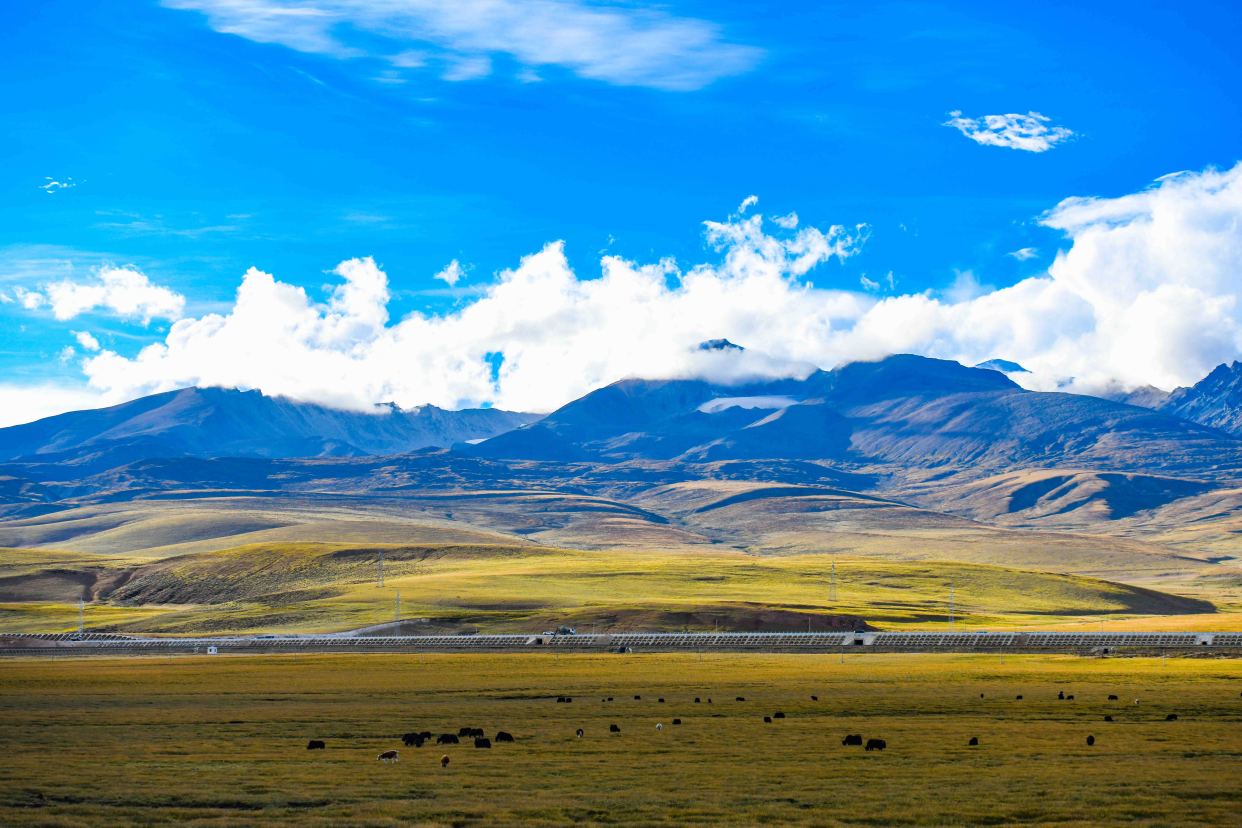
561 336
86 340
1030 132
1146 292
51 185
451 274
614 43
1024 254
123 291
868 284
747 203
26 403
788 221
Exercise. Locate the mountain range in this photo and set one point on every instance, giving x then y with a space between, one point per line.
219 422
906 459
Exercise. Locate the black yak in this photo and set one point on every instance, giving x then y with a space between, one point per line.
447 739
504 736
482 742
852 739
315 744
974 740
612 728
876 744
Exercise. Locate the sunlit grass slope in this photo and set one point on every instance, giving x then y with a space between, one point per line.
222 740
481 587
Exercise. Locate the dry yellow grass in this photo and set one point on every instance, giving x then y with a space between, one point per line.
202 741
323 587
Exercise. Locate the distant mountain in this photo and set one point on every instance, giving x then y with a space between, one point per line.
1004 366
903 412
1145 396
1216 400
218 422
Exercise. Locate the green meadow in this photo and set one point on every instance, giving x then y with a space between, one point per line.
222 741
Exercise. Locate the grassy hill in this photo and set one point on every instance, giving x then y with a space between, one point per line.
493 587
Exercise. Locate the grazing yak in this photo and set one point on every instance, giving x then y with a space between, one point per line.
852 739
504 736
778 715
740 698
974 741
767 720
1061 695
1108 718
1019 697
1070 697
447 739
579 733
389 756
612 728
876 744
697 700
412 740
1112 697
659 726
814 698
1090 741
1172 717
482 742
676 721
315 744
638 698
444 761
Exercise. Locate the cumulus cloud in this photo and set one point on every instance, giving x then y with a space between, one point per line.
1024 254
1145 292
86 340
451 274
1031 132
123 291
614 43
560 336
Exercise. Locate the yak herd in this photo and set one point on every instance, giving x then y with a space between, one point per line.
417 739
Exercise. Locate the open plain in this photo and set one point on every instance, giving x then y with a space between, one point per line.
222 741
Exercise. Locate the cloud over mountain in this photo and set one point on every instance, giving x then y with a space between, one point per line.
1146 293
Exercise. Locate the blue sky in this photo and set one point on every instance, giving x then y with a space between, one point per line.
195 154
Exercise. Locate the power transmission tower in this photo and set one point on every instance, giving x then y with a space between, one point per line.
81 615
832 585
397 615
952 614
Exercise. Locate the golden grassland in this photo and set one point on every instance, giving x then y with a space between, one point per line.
303 587
221 741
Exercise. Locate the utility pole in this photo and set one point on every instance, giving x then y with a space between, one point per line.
952 615
832 585
81 615
397 614
381 568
